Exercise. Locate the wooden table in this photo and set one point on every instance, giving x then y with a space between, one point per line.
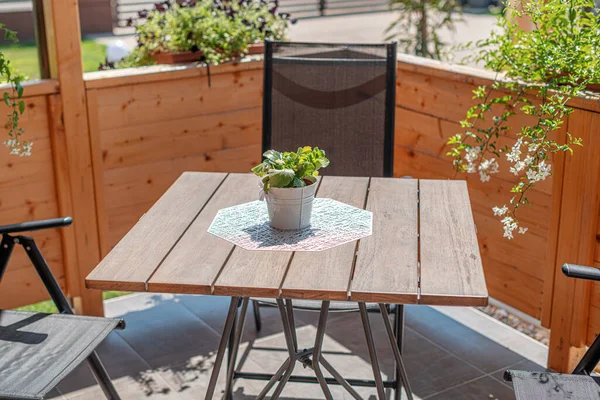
423 249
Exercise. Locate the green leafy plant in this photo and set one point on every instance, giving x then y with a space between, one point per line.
291 169
13 98
419 23
220 30
539 72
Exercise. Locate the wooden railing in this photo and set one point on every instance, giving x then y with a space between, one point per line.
107 144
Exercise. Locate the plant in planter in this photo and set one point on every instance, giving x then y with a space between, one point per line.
289 183
13 99
419 23
539 72
207 30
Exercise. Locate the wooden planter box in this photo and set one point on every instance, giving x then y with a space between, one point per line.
188 56
177 58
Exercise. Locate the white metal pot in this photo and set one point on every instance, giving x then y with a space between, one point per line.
290 208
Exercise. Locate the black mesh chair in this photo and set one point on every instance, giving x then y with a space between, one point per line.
340 98
579 385
38 350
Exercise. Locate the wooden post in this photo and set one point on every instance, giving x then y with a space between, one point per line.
63 30
576 243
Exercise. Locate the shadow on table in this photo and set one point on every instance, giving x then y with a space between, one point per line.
267 236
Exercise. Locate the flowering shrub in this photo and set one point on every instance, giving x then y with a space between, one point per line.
13 99
291 169
221 30
541 71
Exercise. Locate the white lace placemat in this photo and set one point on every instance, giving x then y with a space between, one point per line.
332 224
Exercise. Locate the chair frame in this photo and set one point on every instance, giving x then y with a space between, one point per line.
56 294
390 97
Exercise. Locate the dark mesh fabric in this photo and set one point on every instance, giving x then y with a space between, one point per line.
551 386
333 97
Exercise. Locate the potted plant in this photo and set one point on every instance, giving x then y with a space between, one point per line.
289 184
13 98
206 30
538 73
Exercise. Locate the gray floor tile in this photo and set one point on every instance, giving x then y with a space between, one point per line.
165 332
460 340
483 388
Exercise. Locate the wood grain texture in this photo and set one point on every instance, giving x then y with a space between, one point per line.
387 263
194 263
131 263
451 269
326 274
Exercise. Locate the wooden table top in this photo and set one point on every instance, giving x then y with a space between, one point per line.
423 249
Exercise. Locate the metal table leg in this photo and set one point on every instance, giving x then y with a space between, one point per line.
401 369
317 350
372 353
231 315
234 347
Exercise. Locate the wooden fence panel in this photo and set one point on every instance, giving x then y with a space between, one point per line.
27 193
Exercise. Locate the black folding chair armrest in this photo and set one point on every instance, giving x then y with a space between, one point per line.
36 225
581 272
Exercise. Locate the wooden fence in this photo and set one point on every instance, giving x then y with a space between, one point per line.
105 150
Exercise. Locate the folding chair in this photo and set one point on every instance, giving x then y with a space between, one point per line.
339 97
579 385
38 350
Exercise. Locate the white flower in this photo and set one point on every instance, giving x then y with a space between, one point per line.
515 153
472 154
543 170
484 176
532 175
509 226
471 168
500 211
533 147
529 160
522 230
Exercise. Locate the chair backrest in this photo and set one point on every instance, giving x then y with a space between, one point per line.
338 97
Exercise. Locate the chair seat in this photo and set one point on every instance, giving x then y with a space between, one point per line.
38 350
315 305
551 386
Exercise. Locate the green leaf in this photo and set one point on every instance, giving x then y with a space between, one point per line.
21 107
6 98
281 177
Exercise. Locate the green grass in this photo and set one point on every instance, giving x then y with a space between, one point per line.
24 57
49 307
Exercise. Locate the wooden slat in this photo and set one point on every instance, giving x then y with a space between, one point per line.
451 269
196 260
387 262
131 263
326 274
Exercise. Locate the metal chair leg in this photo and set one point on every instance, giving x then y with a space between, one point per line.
372 353
399 334
257 320
102 377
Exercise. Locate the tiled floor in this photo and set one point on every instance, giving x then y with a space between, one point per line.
167 351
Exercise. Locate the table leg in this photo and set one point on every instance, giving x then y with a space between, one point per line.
372 353
234 346
401 369
317 349
231 315
289 341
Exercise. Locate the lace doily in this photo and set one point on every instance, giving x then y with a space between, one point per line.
332 224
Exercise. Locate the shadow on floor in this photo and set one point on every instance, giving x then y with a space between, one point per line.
168 348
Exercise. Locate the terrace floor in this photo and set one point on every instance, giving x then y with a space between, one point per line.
167 351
